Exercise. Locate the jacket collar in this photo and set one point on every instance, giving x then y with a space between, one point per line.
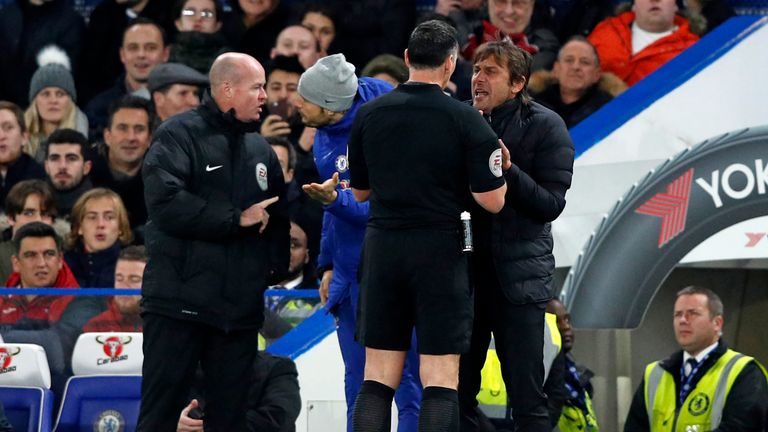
224 120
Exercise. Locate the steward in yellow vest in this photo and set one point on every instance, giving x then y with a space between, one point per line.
706 386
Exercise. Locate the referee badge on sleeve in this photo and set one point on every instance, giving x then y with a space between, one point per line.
494 163
261 176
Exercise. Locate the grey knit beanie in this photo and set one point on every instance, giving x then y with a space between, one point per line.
331 83
52 75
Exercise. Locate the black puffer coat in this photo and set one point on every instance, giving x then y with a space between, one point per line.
519 238
200 173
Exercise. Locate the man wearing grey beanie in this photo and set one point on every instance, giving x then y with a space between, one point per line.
328 97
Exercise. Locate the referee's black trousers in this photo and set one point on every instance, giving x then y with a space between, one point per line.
518 330
172 350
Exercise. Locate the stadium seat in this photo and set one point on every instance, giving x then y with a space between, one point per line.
105 392
25 382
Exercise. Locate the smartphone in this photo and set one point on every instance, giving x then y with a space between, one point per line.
281 107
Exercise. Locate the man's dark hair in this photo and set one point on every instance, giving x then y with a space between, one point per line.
68 136
133 253
131 102
36 230
714 304
318 7
430 43
285 63
145 21
17 112
179 6
17 197
518 63
282 141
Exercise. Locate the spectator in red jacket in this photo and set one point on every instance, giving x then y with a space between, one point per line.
637 42
122 314
37 263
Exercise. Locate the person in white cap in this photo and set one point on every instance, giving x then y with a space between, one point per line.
328 97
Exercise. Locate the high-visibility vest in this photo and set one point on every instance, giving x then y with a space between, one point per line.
493 393
573 419
702 409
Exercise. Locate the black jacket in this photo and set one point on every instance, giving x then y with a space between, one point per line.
745 408
519 238
130 189
202 170
274 401
575 112
96 269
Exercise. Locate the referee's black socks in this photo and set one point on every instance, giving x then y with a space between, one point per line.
373 407
439 410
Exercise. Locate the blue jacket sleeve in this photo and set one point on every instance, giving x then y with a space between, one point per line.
325 257
345 207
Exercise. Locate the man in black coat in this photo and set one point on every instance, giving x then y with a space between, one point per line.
513 262
274 401
213 248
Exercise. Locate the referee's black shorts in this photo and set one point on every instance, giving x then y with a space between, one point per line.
414 277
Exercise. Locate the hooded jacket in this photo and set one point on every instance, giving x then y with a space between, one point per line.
612 39
203 169
344 220
519 238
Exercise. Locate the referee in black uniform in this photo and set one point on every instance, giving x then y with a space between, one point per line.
416 153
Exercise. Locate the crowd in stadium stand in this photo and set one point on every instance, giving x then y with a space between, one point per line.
83 85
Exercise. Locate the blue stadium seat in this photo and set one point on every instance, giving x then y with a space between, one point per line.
29 409
100 402
25 382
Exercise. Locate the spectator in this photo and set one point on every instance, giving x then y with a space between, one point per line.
117 165
28 201
101 66
704 386
122 314
252 26
466 15
319 19
637 42
174 88
577 412
273 402
67 164
301 275
282 81
26 27
99 231
15 165
37 263
52 98
307 212
299 41
580 17
576 87
511 19
367 28
143 48
387 67
199 40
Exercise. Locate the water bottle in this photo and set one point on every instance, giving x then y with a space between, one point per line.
466 224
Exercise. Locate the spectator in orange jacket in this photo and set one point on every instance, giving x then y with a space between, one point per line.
636 43
122 314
